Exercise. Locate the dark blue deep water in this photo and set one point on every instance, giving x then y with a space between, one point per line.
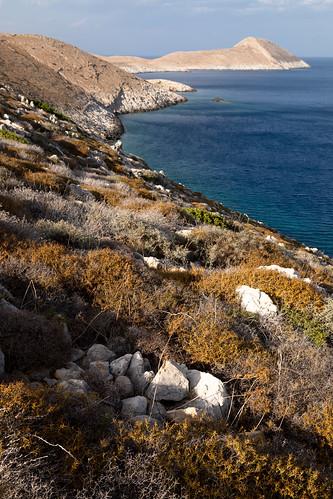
268 152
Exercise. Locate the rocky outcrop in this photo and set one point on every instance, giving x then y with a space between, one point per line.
250 54
80 85
255 301
171 86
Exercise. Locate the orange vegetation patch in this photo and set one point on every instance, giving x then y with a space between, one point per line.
292 293
46 180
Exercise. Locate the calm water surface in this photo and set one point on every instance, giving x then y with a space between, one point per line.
268 152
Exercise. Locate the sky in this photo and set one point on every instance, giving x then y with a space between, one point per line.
156 27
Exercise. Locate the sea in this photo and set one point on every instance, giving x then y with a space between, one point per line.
266 149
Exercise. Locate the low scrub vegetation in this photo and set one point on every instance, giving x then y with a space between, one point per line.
77 221
6 134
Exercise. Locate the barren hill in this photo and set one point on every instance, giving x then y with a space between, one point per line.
76 82
250 54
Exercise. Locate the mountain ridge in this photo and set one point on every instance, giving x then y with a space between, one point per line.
251 53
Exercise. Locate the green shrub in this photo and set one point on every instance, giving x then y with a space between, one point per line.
6 134
45 106
311 327
206 217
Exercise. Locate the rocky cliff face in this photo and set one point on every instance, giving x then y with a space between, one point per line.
250 54
89 90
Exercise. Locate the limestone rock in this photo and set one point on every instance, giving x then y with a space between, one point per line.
124 387
152 262
101 370
288 272
157 410
208 394
78 386
134 406
256 302
118 367
136 373
70 373
99 352
77 354
169 383
2 363
181 415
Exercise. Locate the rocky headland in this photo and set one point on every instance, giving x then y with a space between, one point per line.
91 91
249 54
153 343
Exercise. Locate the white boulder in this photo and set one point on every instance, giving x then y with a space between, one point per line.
181 415
208 394
288 272
169 383
134 406
99 352
124 387
101 370
118 367
152 262
255 301
73 371
78 386
137 374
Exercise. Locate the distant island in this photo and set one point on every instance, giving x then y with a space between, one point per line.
249 54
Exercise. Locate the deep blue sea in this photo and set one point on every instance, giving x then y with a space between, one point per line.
268 152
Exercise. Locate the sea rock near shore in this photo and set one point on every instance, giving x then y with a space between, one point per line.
171 86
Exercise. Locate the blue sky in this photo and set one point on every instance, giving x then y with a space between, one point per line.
153 27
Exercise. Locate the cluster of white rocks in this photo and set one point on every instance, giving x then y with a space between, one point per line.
174 393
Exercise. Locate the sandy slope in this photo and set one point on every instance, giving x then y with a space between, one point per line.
250 54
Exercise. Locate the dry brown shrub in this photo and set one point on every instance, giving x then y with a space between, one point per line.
292 293
212 463
111 197
46 180
114 283
319 418
73 146
20 166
